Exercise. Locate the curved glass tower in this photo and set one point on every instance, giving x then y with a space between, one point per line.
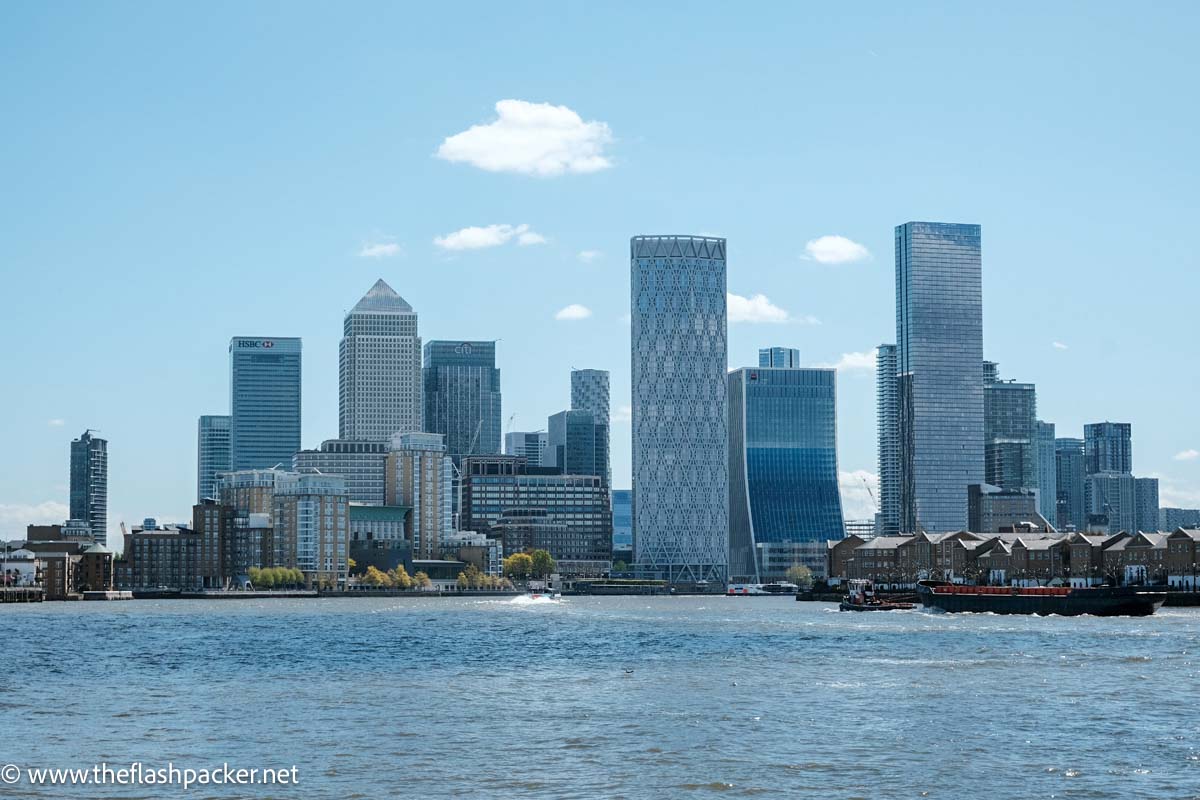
784 501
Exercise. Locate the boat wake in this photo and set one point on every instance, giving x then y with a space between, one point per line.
528 600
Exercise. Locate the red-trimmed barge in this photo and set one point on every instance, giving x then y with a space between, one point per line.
1101 601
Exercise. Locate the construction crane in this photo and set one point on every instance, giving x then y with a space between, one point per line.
870 493
509 424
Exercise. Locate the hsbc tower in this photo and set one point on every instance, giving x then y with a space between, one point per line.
264 401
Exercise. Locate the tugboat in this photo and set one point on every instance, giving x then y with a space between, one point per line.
862 598
1101 601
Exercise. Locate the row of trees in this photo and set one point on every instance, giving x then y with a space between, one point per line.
522 566
395 579
473 578
275 577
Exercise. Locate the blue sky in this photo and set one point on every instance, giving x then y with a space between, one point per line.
178 175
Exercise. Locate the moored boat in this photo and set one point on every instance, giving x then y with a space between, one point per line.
862 597
1102 601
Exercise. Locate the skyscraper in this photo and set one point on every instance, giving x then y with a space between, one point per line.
784 357
680 429
89 484
577 445
462 396
264 401
939 335
529 444
212 453
784 501
1113 496
589 392
1047 473
1010 432
1069 484
1145 499
888 421
379 368
1108 447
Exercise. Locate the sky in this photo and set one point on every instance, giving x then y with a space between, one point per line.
179 174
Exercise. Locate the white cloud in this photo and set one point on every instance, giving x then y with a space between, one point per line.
573 312
1173 495
757 308
379 250
588 256
835 250
856 500
476 238
56 423
1187 455
1059 346
623 414
14 517
532 139
854 362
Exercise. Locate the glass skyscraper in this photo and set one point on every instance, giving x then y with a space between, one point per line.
783 477
462 396
1069 484
1108 447
1010 432
89 484
264 402
589 392
680 430
622 515
212 453
530 444
577 445
1047 473
887 409
939 338
1145 491
788 357
379 363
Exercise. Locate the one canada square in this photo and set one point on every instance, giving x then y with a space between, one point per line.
680 405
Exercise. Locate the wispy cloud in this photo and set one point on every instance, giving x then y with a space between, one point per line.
835 250
856 500
588 256
1187 455
531 139
573 312
56 423
15 516
759 308
1059 346
623 414
854 362
477 238
379 250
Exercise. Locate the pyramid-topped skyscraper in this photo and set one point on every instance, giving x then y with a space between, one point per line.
380 368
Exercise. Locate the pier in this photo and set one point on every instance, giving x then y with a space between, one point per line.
22 594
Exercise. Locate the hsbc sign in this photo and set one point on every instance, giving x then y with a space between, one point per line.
264 344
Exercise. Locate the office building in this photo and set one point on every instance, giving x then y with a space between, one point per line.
379 372
89 484
781 357
1071 501
783 476
994 509
264 404
312 527
212 453
680 434
361 463
1010 432
1170 519
530 445
589 392
1145 499
1047 472
1108 447
577 444
1112 496
622 514
462 396
939 338
419 476
887 410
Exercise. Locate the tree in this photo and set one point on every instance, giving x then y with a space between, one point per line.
518 566
351 563
463 583
473 576
401 579
373 577
421 581
543 564
619 566
800 575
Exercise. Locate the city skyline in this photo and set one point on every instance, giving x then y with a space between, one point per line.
502 251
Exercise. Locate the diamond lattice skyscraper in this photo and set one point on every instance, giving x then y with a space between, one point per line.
680 428
380 368
939 339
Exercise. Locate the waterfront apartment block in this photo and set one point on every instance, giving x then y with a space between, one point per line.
89 484
361 463
212 453
312 527
419 476
264 391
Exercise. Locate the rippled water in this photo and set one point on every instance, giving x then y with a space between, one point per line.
606 697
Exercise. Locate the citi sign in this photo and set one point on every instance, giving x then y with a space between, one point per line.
264 344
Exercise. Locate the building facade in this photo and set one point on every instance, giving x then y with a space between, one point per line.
622 515
462 396
1145 500
887 410
680 429
781 357
361 463
530 445
250 491
379 368
992 509
1113 497
419 476
1010 446
212 453
89 484
264 402
590 392
1071 502
1171 518
783 477
577 444
1047 472
1108 447
312 526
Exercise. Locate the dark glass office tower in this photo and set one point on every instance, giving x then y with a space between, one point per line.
939 339
89 484
462 396
264 401
1108 447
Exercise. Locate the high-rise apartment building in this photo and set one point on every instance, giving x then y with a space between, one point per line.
1169 519
784 500
312 525
781 357
939 338
887 409
530 445
212 453
622 515
1112 496
1108 447
379 368
361 463
89 484
1071 506
1010 432
420 476
462 396
589 392
1145 501
577 444
1047 473
264 401
680 429
250 491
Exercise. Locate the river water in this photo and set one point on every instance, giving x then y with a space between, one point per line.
614 697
